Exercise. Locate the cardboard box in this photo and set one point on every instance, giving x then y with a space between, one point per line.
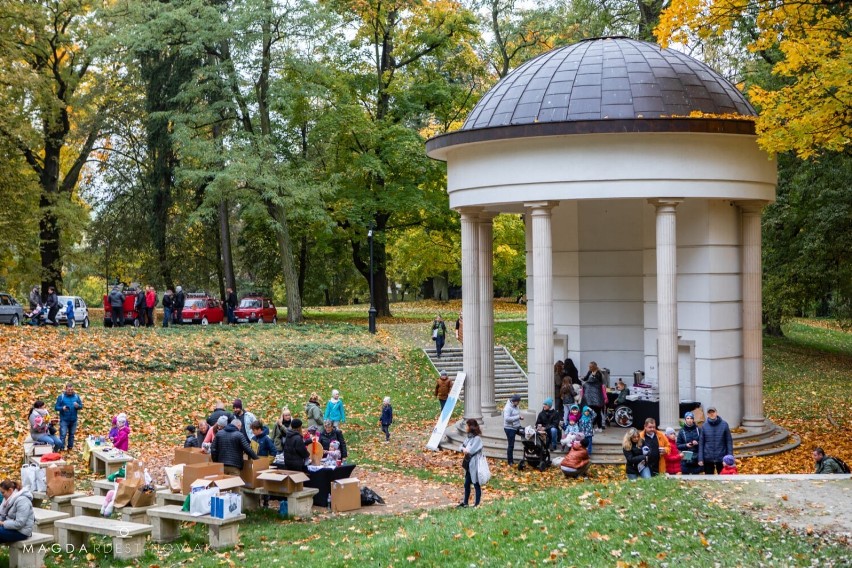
345 495
191 455
220 482
282 480
193 471
226 506
252 468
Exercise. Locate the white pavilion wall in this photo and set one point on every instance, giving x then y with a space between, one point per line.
709 302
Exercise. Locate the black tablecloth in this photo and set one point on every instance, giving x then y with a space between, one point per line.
643 409
322 480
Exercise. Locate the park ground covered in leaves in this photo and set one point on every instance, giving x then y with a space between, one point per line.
165 379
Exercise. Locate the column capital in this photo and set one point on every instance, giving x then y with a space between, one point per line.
751 207
487 216
540 206
666 202
470 212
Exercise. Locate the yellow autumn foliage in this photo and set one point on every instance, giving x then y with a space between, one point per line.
812 112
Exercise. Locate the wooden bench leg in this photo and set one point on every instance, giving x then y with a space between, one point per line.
165 530
225 536
251 501
66 507
128 548
30 557
71 541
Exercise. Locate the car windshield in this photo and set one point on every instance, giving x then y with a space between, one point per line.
63 300
194 304
250 303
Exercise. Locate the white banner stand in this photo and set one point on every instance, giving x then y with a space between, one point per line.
444 419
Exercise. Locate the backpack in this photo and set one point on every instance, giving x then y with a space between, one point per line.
843 466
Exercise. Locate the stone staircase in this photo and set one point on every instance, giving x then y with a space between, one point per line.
509 377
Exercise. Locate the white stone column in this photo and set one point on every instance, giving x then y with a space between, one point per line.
667 337
541 383
752 315
470 309
486 311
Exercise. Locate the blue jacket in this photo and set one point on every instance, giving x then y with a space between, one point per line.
69 415
715 441
265 447
387 415
334 411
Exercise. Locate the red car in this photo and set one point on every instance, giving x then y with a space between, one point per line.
131 316
201 308
256 309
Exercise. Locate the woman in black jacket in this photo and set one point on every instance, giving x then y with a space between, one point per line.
330 433
295 450
634 457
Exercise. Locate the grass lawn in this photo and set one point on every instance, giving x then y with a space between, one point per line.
164 379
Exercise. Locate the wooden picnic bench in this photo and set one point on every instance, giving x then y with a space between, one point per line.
45 518
61 503
102 460
30 553
91 507
164 497
104 486
128 539
221 533
299 503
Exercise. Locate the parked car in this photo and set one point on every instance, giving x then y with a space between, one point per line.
11 312
201 308
131 316
81 311
256 309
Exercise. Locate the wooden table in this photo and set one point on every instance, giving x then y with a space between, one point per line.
221 533
108 460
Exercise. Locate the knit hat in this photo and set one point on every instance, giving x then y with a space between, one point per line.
516 398
689 415
728 460
335 393
548 401
386 400
296 424
190 429
444 373
237 403
121 419
222 421
670 431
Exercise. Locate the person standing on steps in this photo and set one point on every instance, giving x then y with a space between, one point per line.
460 328
512 425
439 333
443 388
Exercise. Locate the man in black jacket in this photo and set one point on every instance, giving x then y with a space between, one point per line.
228 448
231 305
180 301
116 305
52 305
218 410
295 450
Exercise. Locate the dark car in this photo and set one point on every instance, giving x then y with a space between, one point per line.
256 309
11 312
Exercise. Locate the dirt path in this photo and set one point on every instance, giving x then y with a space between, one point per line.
816 507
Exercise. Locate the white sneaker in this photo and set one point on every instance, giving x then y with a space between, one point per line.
598 430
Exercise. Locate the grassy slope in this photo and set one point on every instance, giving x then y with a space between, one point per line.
579 524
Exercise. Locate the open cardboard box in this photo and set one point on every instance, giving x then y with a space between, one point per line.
222 482
345 494
191 455
282 480
252 468
193 471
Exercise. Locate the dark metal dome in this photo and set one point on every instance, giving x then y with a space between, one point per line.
606 79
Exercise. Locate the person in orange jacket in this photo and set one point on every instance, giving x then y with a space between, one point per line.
674 456
655 446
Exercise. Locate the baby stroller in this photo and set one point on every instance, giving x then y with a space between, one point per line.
38 316
536 452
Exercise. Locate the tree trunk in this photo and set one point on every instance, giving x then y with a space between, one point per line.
225 245
49 232
303 267
291 278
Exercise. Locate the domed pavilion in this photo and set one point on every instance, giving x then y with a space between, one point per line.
638 174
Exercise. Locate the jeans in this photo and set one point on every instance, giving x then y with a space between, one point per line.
386 430
644 474
7 535
511 433
589 449
442 403
52 440
552 437
439 344
68 427
117 317
149 315
167 316
230 313
478 489
711 467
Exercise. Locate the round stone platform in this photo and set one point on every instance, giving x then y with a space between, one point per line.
748 442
